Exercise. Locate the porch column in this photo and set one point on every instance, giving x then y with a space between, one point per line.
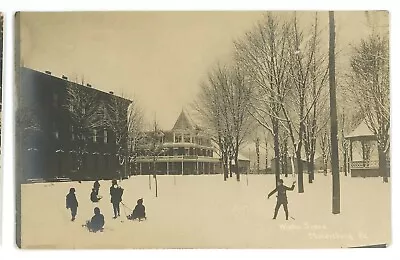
197 167
140 168
182 165
167 168
203 167
351 156
214 167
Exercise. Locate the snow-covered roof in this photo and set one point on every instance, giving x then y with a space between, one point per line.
362 130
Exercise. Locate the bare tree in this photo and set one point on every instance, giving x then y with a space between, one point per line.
262 54
211 115
117 120
153 146
369 83
85 117
223 106
325 146
135 132
257 142
266 151
307 73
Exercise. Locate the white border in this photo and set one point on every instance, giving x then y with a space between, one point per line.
8 249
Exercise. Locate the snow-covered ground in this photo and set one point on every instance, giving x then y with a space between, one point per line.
206 212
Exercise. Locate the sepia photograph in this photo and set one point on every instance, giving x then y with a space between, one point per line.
202 130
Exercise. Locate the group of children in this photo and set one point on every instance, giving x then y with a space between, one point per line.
139 212
96 223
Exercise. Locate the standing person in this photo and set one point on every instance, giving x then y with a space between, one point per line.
281 197
72 203
116 192
96 186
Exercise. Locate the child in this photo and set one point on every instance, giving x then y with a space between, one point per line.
281 197
116 197
96 187
94 197
139 212
97 221
72 203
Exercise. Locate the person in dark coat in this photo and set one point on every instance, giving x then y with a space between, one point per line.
97 221
72 203
116 197
139 212
281 197
94 197
96 187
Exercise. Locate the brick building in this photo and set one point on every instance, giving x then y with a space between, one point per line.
48 142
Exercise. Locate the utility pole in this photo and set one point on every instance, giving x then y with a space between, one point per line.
333 115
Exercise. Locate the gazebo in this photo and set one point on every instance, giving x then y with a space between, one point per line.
364 160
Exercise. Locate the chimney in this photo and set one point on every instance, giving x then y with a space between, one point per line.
111 92
48 72
64 77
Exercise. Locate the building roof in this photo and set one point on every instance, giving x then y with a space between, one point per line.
184 122
362 130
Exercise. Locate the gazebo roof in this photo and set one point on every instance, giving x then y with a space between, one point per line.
361 131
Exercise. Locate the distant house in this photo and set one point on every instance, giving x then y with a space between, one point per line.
288 165
186 150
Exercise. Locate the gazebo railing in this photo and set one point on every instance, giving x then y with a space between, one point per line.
372 164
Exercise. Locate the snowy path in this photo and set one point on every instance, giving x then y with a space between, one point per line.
205 212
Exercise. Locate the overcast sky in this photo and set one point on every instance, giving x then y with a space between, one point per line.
157 57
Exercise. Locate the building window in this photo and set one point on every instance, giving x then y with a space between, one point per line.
83 111
105 137
72 133
95 136
186 151
71 108
178 138
187 138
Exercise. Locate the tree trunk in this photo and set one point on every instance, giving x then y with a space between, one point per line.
149 181
258 154
383 165
299 170
345 162
237 168
276 149
155 179
225 167
230 167
266 164
311 168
